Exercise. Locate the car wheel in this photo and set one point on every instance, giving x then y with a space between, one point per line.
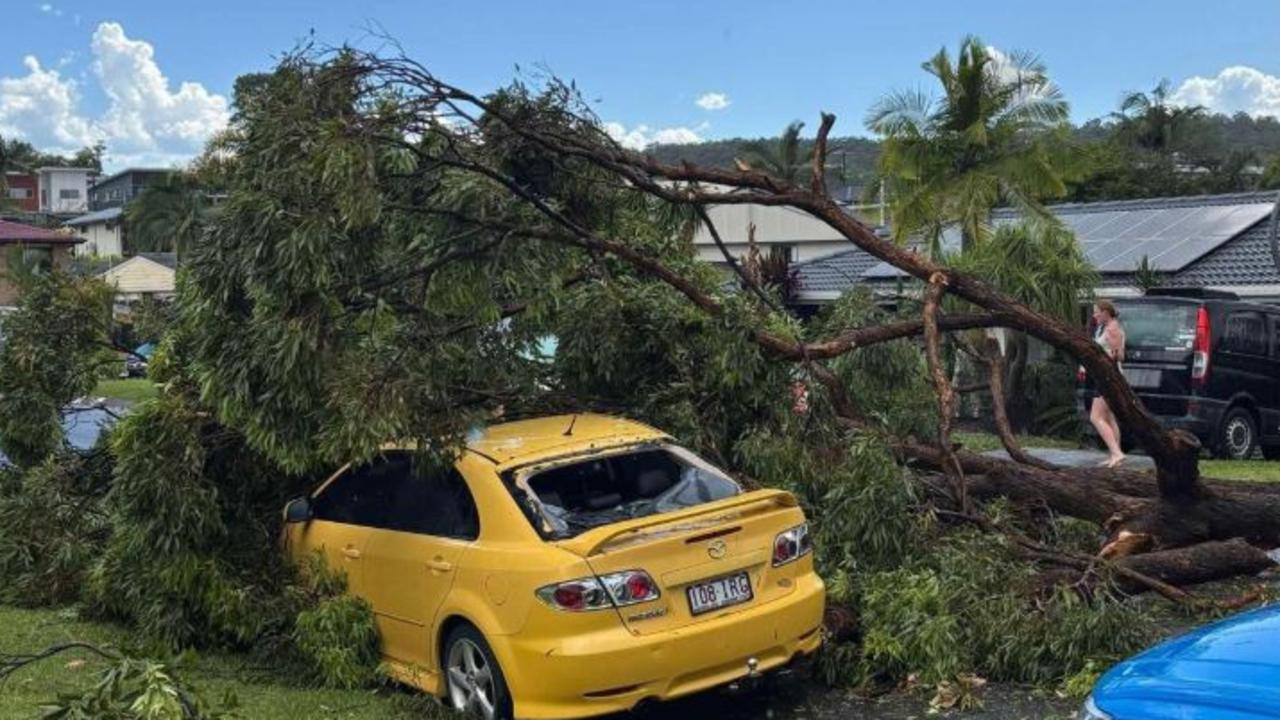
1238 435
473 680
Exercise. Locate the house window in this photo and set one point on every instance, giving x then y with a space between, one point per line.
69 194
38 258
1246 333
19 193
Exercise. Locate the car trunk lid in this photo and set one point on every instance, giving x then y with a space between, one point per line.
722 550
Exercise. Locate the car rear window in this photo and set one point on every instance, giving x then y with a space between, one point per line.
1167 326
574 497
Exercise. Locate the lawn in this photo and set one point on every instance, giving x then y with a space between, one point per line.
130 390
261 695
1244 470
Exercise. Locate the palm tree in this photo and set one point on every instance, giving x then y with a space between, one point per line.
168 216
997 134
1151 121
783 157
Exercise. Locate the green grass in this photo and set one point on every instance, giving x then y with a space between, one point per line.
127 389
261 695
982 442
1242 470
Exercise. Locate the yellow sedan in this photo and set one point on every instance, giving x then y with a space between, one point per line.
567 566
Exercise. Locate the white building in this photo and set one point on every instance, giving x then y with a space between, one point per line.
103 232
797 234
65 189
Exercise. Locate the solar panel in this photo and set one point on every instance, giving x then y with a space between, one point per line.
1172 234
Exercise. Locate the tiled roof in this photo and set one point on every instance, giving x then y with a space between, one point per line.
1238 256
12 232
833 273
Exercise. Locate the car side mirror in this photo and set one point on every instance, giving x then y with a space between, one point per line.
298 510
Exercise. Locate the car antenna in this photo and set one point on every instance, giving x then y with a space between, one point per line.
569 430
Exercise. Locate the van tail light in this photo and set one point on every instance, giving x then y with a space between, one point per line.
791 545
598 593
1200 350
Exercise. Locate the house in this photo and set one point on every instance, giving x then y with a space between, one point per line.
121 188
145 275
1219 242
794 234
31 246
103 232
64 190
23 191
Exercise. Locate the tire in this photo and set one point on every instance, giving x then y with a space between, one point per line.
1237 435
474 683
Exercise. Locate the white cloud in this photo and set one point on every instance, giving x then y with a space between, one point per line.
642 136
713 101
50 10
41 108
1234 89
145 122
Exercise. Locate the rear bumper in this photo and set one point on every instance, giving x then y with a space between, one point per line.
616 671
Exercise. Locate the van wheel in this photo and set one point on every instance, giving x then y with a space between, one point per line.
474 685
1237 436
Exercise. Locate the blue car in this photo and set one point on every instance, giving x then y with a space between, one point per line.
1229 670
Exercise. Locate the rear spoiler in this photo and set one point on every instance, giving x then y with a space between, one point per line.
591 541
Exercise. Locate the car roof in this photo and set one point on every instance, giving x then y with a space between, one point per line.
523 442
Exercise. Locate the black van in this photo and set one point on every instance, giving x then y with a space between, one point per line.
1206 362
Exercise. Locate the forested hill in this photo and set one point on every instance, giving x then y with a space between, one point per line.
856 155
1207 140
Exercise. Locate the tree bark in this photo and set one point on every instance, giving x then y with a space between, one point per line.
1198 563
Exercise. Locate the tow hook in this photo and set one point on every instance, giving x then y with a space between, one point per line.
753 668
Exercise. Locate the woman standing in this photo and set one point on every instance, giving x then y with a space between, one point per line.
1110 335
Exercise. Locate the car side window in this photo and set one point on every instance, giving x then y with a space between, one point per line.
433 499
364 495
1246 333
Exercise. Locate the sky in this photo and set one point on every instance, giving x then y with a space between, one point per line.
153 79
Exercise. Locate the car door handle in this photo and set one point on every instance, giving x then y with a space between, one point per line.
440 565
352 552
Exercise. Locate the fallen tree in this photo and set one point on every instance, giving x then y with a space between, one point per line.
536 169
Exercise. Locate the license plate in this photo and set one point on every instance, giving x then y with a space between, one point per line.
1142 377
718 593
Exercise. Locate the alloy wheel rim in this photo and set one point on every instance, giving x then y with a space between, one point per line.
1239 438
471 686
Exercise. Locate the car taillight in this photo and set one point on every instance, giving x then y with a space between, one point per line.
1081 375
597 593
1200 354
791 545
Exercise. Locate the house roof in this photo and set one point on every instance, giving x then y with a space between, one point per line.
1207 240
167 259
96 217
141 274
12 232
130 171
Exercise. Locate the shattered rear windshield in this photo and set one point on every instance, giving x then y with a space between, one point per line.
573 497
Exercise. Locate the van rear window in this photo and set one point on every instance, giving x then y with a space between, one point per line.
1167 326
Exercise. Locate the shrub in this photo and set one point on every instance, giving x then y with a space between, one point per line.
54 527
195 513
338 641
